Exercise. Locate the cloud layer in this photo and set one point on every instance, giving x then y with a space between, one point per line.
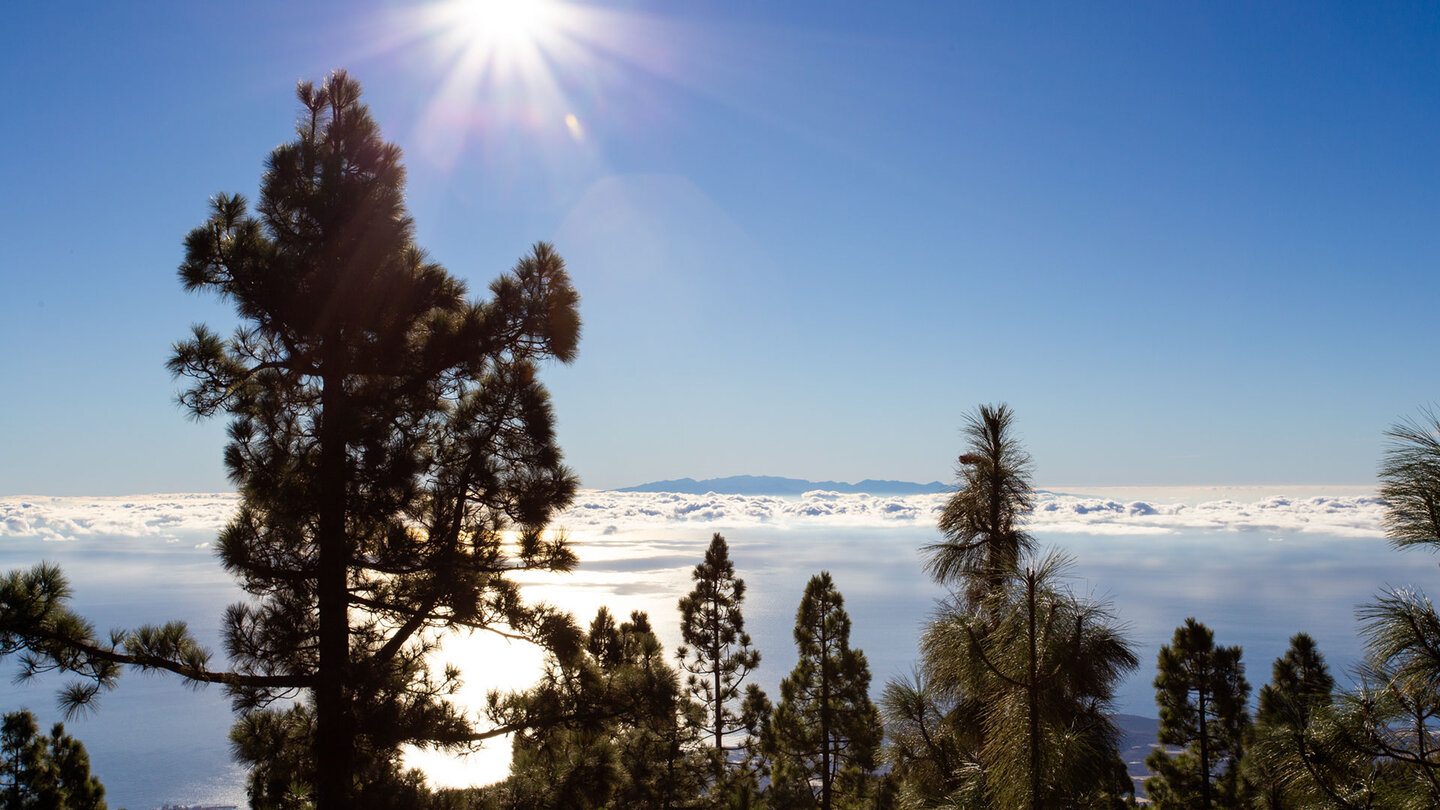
175 516
1054 512
78 518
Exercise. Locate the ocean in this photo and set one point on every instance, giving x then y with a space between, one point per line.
1256 566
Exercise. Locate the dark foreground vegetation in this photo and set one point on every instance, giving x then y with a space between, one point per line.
44 773
396 460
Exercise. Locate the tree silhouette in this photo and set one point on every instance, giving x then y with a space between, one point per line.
825 731
44 773
1201 691
716 650
23 753
1300 684
607 726
982 521
387 437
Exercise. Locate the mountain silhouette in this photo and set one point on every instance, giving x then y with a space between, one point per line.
774 485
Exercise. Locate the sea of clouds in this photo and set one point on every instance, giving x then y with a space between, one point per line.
169 517
1157 555
173 517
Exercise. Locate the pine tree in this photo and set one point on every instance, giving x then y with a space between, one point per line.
985 539
716 650
825 732
1397 701
1372 745
1045 665
1410 482
73 785
629 737
275 745
1010 706
386 437
927 746
983 521
1201 691
1300 684
22 755
44 773
1277 751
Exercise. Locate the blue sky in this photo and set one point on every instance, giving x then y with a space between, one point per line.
1189 243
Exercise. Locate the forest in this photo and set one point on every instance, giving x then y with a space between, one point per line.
398 466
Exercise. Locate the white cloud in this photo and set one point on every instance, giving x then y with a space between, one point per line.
605 512
68 519
1356 515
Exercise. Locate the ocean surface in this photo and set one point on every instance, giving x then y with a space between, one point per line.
1257 566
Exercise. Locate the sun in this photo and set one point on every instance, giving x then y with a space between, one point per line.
512 74
503 64
500 25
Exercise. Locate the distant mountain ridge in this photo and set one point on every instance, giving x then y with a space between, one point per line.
775 485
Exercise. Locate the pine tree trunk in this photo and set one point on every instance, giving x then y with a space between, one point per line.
719 720
335 742
993 578
1200 699
1032 687
15 777
825 764
719 699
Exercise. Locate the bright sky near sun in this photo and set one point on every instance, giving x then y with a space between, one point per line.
1189 243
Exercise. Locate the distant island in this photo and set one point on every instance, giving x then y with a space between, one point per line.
775 485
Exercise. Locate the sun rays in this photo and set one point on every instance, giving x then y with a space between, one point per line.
514 67
547 83
503 40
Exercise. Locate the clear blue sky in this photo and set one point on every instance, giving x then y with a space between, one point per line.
1187 242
